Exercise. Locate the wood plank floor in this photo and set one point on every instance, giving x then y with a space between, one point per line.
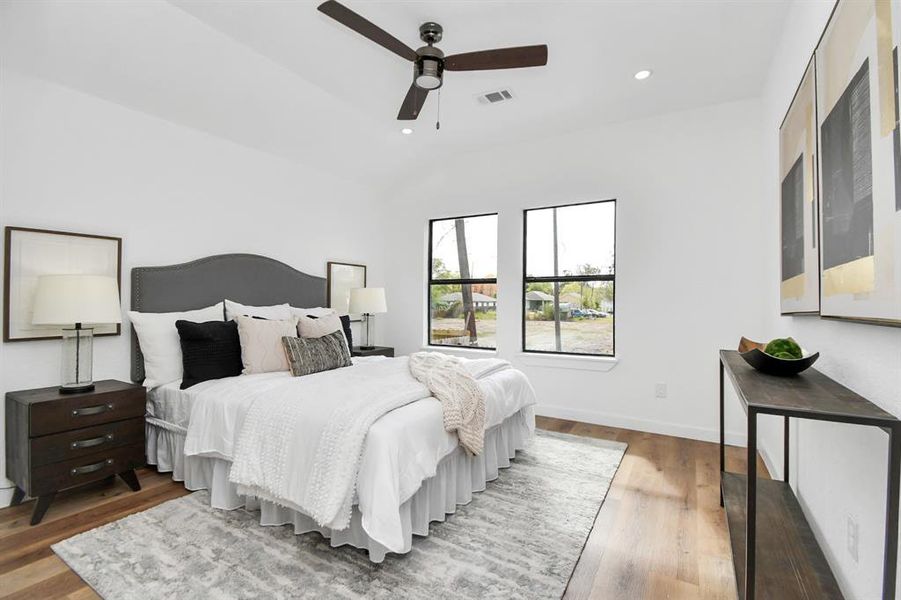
660 534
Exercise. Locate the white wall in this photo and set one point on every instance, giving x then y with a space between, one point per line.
75 162
688 275
697 255
838 470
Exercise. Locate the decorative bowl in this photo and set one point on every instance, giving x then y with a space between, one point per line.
754 355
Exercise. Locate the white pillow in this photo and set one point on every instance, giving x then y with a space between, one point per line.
277 312
159 341
317 311
262 350
315 328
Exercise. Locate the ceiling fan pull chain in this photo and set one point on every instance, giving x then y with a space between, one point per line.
438 118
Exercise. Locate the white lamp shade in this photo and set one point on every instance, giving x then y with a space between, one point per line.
367 300
70 299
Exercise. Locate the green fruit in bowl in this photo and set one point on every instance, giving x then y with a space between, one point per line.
785 348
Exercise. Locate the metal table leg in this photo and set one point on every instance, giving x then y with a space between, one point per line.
722 434
785 452
890 566
751 532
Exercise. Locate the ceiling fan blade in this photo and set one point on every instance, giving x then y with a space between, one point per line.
502 58
350 19
413 102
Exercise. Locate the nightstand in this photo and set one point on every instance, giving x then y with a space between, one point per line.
56 441
374 351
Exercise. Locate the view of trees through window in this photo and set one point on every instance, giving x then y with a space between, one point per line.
568 304
569 280
463 281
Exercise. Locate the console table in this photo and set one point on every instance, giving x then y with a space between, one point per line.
765 515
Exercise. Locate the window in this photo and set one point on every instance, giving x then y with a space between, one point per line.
463 282
569 279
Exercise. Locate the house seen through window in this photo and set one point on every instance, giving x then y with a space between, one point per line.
569 277
463 281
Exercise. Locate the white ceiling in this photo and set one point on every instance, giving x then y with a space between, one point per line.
281 77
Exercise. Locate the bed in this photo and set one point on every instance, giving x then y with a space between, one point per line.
411 471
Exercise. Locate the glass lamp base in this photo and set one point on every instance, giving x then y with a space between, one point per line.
77 360
367 331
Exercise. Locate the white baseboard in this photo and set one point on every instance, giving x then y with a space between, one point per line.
598 418
771 465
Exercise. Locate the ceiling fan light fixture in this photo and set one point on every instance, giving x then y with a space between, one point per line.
643 74
407 130
428 82
428 73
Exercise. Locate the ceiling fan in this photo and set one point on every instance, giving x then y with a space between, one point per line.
429 63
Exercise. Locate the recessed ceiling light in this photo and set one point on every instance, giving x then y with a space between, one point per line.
644 74
406 131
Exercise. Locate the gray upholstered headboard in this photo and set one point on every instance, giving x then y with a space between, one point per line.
244 278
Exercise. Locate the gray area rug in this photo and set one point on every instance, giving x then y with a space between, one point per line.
520 538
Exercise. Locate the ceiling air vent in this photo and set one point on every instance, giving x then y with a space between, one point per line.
495 97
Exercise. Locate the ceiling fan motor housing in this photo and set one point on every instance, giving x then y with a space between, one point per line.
428 70
431 32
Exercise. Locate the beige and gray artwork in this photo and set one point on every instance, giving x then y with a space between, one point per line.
800 283
857 77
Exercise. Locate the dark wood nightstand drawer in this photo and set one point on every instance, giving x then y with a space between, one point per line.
74 444
85 469
79 411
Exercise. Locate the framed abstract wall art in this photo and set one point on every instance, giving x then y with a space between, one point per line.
31 253
800 283
340 279
857 76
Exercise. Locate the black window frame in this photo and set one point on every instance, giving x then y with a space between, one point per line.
526 280
430 281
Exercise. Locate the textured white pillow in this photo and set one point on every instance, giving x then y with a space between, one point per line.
261 344
276 312
316 328
159 341
317 311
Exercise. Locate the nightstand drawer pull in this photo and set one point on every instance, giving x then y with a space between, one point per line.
91 410
92 441
91 468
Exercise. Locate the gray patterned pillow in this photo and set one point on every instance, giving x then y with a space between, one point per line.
312 355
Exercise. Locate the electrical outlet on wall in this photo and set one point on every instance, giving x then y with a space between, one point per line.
853 537
660 390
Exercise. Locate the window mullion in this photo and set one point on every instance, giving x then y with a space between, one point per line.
568 279
582 317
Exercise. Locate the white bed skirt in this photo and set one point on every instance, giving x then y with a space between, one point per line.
457 477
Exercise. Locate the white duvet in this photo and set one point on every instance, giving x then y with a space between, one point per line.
401 449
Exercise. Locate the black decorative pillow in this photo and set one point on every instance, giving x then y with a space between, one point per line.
345 325
210 350
312 355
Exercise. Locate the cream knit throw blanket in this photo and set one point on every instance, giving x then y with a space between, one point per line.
462 401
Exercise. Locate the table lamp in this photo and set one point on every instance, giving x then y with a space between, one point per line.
367 301
73 301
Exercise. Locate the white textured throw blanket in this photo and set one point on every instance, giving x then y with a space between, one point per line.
300 446
462 401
